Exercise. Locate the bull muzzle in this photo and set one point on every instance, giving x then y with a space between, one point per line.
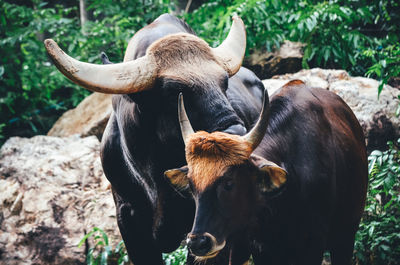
203 245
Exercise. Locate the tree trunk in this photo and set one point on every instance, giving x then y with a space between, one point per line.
83 14
187 6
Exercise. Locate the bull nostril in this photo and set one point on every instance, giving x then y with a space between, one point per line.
199 245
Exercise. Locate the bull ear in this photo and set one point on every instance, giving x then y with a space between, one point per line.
178 177
104 58
272 176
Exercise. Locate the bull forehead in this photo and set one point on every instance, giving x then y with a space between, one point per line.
186 58
175 49
209 155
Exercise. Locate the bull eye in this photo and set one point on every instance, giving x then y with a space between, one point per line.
228 185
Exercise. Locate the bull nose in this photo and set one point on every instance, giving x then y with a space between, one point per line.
199 245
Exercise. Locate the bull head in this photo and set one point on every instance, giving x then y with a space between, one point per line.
140 74
224 176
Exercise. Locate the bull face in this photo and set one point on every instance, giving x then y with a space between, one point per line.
226 180
225 196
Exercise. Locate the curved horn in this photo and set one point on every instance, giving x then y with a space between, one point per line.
256 134
186 127
121 78
231 51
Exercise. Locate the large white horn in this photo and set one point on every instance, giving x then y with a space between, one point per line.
121 78
231 51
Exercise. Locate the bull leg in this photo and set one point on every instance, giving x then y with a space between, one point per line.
275 260
271 256
312 251
135 226
312 256
342 247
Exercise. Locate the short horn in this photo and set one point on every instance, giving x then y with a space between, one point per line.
231 51
186 127
121 78
256 134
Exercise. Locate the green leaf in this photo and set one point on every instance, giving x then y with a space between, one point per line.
380 88
376 153
104 258
326 54
120 246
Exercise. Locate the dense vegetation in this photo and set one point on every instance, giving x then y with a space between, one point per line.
378 238
361 37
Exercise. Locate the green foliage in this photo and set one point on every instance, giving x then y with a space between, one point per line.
1 130
386 63
178 257
335 32
378 239
264 20
102 253
327 30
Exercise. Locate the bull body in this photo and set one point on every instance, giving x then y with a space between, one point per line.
300 192
142 140
315 136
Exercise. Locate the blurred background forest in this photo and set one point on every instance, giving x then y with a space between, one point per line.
359 36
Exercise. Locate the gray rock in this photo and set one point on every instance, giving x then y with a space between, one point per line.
287 59
52 192
90 117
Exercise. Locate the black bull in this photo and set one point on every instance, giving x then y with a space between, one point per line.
283 193
142 138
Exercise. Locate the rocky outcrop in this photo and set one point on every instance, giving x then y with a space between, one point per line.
90 117
376 115
287 59
52 192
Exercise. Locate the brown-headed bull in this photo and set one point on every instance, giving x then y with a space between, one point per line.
142 138
283 193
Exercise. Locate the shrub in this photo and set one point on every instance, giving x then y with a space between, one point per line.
386 64
335 32
102 252
177 257
378 238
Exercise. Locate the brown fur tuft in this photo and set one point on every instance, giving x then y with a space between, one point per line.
185 57
295 82
174 49
210 154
